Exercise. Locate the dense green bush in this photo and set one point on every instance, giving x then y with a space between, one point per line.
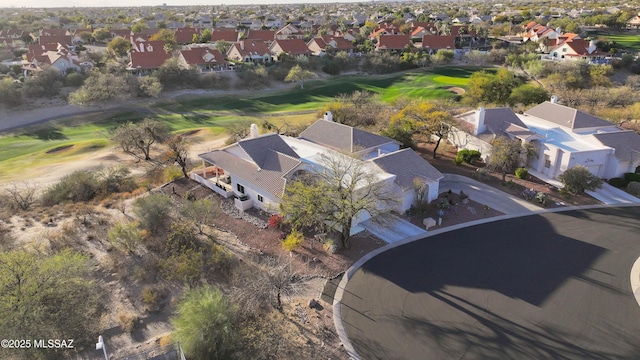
521 173
331 68
632 177
75 187
458 159
153 212
618 182
469 156
578 179
74 79
85 186
205 324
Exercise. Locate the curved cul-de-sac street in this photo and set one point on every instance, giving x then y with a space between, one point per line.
546 286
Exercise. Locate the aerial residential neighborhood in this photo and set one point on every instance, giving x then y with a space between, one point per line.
377 180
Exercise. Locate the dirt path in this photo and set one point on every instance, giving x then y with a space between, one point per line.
43 110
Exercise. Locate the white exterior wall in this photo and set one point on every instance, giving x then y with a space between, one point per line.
561 160
270 202
463 140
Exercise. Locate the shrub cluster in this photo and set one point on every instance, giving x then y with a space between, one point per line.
468 156
82 186
618 182
521 173
629 177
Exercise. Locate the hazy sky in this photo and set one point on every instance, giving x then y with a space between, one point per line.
129 3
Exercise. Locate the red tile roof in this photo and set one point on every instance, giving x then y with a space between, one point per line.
40 48
340 42
251 48
185 35
292 46
63 39
148 60
260 35
438 42
393 42
53 32
202 56
226 35
455 30
148 46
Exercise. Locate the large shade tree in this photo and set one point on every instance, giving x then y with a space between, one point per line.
425 120
100 89
340 189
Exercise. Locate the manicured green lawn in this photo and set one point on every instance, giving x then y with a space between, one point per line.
629 41
295 106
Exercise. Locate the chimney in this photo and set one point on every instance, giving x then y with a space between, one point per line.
242 45
253 131
328 116
479 127
592 47
554 99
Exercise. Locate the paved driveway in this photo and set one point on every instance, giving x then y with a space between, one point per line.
546 286
613 196
485 194
394 229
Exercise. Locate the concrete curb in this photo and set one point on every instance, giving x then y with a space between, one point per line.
635 280
337 299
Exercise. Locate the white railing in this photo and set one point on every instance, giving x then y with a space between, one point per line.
219 187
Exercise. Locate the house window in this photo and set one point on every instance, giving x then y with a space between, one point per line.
260 198
240 188
547 162
564 49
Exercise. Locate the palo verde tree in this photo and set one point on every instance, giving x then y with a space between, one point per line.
425 120
205 324
47 296
299 75
137 139
508 154
341 189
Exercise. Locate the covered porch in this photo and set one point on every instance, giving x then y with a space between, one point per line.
214 178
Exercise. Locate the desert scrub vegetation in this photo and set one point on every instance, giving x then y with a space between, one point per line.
83 186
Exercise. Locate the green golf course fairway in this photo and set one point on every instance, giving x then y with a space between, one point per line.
83 134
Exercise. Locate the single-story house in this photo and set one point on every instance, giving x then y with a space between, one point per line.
563 137
318 45
250 51
203 59
433 43
289 31
256 170
290 47
393 42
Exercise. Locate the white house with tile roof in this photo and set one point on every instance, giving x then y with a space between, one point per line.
564 137
256 170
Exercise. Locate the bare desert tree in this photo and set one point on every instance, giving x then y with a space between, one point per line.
137 139
343 188
23 197
178 152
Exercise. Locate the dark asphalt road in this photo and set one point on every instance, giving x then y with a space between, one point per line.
552 286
